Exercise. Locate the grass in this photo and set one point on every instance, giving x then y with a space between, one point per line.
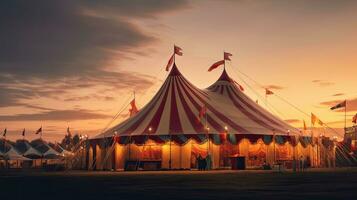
314 184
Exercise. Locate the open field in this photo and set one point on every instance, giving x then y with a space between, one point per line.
314 184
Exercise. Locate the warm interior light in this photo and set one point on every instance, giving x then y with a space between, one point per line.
150 129
225 128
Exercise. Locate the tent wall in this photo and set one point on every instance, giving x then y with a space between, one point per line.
185 156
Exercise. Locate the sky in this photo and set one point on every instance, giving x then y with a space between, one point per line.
77 63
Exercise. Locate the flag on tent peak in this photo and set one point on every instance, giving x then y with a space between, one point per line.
315 119
305 128
4 134
23 133
68 131
215 65
133 110
354 119
39 131
178 50
340 105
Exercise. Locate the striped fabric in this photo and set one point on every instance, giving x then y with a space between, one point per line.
175 108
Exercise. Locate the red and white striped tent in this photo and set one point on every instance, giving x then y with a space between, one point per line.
173 114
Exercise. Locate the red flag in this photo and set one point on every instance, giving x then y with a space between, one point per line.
133 110
23 132
239 86
39 131
202 112
354 119
215 65
178 50
340 105
169 64
227 56
268 92
4 134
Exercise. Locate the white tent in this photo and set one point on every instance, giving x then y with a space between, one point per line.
12 154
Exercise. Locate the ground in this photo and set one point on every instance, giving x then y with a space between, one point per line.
313 184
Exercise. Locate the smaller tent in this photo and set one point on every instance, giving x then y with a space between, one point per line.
46 150
25 148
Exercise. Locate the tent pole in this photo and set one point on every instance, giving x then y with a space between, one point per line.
170 151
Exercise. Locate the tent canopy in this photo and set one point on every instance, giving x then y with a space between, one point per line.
175 108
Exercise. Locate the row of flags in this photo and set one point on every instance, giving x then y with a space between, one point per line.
23 132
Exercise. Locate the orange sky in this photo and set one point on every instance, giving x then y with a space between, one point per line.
305 50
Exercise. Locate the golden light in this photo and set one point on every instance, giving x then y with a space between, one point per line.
226 128
150 129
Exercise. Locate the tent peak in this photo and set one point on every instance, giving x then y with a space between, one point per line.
174 71
224 76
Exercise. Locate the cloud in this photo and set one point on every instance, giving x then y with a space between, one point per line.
323 83
68 45
56 115
275 87
351 104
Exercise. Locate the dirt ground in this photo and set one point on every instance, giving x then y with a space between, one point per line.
312 184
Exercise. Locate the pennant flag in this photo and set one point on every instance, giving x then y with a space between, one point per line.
202 112
68 131
4 134
239 86
340 105
227 56
39 131
268 92
178 50
354 119
169 64
305 128
256 101
314 119
215 65
133 110
23 133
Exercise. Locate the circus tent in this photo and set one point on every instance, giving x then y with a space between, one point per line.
232 124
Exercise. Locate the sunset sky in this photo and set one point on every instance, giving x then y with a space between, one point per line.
76 63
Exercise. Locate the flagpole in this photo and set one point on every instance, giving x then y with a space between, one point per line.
224 62
174 54
345 114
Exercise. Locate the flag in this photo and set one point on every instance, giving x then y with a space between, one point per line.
4 134
304 125
227 56
133 110
256 101
178 50
68 131
340 105
268 92
23 132
39 131
215 65
202 112
169 64
314 119
354 119
239 86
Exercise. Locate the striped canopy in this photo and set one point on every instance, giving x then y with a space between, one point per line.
174 110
